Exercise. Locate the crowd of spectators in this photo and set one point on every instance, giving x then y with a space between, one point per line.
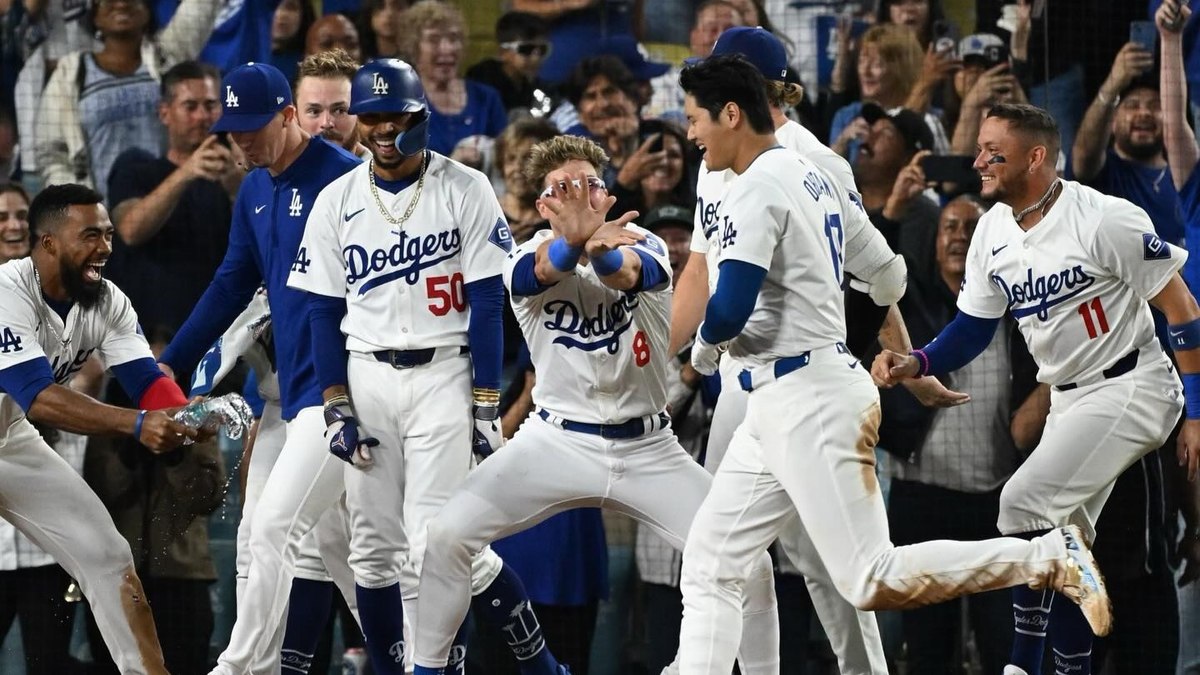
120 95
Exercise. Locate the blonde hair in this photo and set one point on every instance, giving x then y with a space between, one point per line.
784 94
422 15
329 64
550 155
899 48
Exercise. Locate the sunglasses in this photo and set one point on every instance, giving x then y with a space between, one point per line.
593 183
527 48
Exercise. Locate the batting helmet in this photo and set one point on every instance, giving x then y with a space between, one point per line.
392 86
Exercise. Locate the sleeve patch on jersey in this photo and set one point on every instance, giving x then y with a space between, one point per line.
653 243
501 236
1154 248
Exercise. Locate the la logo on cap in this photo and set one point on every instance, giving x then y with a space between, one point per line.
231 99
379 86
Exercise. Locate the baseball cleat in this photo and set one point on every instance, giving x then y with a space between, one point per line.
1013 670
1083 583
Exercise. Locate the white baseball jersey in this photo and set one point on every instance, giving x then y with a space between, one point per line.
580 330
711 185
795 228
1077 283
404 286
29 329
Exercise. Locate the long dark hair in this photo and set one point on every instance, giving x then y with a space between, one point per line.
928 32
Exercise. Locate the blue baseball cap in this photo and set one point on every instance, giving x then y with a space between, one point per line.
625 48
759 46
251 95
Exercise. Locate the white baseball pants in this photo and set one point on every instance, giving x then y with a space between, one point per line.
1093 433
853 634
43 497
303 482
545 470
807 446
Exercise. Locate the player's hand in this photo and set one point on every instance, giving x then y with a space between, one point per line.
933 394
613 235
891 368
1171 18
487 437
161 433
1131 62
571 210
209 161
1188 448
705 356
347 442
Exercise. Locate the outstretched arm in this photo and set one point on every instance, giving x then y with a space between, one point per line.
1178 138
1183 317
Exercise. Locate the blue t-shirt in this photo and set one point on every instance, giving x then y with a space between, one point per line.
483 115
242 31
264 246
1152 189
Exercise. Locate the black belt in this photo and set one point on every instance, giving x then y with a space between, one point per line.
1123 365
630 429
410 358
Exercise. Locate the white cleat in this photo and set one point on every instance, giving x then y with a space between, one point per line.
1083 583
1013 670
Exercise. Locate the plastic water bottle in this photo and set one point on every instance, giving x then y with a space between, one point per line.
230 412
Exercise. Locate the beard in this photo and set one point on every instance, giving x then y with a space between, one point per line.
1141 152
84 292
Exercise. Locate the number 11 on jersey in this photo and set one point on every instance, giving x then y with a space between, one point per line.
1093 318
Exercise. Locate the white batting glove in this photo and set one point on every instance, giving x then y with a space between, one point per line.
705 356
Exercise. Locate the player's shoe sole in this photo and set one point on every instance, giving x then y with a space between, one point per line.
1083 583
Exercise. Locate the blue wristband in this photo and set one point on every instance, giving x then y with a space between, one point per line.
1185 336
563 256
609 263
137 426
1191 394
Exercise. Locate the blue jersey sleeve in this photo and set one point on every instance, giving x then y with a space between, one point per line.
325 314
485 330
26 380
731 305
959 343
136 376
234 284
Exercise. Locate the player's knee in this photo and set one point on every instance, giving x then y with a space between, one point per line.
446 537
1020 508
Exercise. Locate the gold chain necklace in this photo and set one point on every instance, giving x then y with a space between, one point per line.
411 205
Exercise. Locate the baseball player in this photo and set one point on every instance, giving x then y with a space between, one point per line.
402 263
264 245
323 99
788 230
597 333
58 311
1076 270
853 635
321 559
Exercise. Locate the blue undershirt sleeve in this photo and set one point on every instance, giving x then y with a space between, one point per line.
136 376
524 278
653 274
325 314
485 332
26 380
731 305
958 344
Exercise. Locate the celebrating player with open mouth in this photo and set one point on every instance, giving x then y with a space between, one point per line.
58 311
